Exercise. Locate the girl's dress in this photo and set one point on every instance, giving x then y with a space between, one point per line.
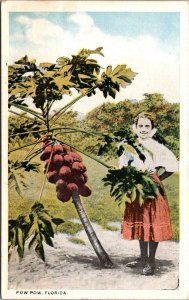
151 221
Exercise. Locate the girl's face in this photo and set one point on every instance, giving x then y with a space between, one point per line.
144 128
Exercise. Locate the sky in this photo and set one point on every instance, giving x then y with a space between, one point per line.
148 43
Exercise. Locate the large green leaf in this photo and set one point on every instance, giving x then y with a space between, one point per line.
46 65
33 241
111 80
20 239
57 221
62 81
87 52
117 70
22 60
108 70
47 225
62 61
40 251
47 239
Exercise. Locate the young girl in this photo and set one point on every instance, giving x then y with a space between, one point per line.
151 222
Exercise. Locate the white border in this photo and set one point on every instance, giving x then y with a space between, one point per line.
139 6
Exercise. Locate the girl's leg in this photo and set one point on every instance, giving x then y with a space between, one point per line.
143 250
150 266
152 251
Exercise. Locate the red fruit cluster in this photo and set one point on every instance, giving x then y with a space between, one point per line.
65 169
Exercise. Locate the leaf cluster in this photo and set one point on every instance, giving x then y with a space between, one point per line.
24 164
109 141
129 184
23 129
38 226
47 82
17 85
26 79
16 178
112 79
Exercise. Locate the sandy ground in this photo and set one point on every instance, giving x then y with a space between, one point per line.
73 266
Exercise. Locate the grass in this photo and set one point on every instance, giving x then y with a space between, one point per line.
70 227
172 190
76 240
109 227
100 207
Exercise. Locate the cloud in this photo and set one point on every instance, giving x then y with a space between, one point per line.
82 19
24 20
158 69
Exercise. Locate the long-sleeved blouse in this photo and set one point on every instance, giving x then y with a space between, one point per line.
156 155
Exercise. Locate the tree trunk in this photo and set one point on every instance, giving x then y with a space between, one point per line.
101 253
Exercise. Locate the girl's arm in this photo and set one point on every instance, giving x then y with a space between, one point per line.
165 175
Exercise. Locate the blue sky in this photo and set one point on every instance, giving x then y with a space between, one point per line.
147 42
164 26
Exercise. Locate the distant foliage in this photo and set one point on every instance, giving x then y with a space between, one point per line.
111 117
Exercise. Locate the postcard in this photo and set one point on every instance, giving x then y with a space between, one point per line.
95 150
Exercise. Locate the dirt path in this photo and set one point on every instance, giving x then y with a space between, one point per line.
73 266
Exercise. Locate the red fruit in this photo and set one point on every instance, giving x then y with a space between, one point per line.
66 148
68 159
72 187
77 166
46 144
57 161
61 185
76 157
58 148
85 177
45 138
64 196
84 191
79 179
64 171
46 153
84 168
52 176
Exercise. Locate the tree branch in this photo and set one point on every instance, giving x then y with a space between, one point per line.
26 132
22 147
36 114
22 116
64 108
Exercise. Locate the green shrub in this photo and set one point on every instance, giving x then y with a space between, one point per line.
77 240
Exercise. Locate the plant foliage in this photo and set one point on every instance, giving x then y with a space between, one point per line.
111 141
112 80
38 226
129 184
24 129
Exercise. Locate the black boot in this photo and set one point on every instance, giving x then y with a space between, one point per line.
149 268
139 262
142 260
